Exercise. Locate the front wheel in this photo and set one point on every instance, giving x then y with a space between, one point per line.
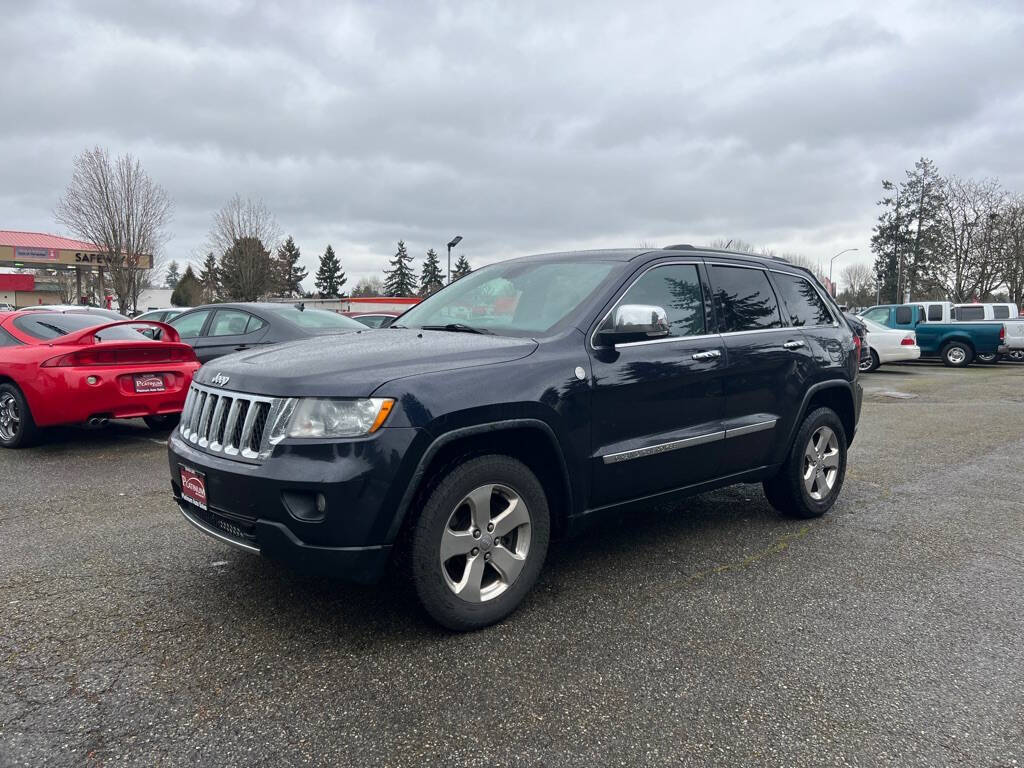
17 428
956 354
480 542
809 481
162 423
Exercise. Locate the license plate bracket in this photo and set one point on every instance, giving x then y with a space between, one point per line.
193 486
149 382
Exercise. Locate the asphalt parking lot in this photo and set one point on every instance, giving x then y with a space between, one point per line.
887 633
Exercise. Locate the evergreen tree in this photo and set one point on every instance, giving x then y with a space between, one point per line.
400 280
462 268
289 273
245 270
187 291
173 275
329 276
431 279
209 279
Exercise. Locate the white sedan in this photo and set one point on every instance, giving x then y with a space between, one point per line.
888 346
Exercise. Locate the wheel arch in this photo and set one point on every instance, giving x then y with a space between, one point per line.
531 441
837 395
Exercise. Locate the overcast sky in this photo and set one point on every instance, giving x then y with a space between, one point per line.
523 126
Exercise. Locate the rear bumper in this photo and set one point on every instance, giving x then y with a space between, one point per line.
900 355
67 397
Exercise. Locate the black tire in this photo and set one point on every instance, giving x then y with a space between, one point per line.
444 502
1016 355
872 365
787 491
957 354
24 431
990 358
163 423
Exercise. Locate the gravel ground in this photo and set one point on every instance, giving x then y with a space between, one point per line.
887 633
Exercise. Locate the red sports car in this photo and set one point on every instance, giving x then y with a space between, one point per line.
72 369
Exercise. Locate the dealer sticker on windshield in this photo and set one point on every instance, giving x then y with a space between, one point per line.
193 486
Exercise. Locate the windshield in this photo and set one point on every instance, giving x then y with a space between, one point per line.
47 325
318 318
512 299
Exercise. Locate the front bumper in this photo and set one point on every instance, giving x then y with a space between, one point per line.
256 507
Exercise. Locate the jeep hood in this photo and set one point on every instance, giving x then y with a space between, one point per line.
356 364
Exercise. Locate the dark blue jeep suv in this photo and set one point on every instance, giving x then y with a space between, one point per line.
516 404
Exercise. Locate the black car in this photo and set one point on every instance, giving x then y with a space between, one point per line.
519 403
866 361
220 329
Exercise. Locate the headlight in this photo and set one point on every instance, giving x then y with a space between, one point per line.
327 417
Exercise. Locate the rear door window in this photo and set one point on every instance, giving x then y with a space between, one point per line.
744 300
804 305
229 322
970 313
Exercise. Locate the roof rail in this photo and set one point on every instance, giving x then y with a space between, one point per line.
680 247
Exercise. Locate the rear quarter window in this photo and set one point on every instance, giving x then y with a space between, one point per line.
7 340
904 315
1001 313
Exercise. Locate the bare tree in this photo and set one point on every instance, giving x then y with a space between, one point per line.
859 280
1009 247
117 207
67 286
969 267
244 233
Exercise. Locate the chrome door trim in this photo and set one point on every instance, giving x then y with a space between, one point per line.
751 428
674 445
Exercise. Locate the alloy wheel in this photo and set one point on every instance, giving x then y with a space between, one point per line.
821 463
485 543
956 355
10 416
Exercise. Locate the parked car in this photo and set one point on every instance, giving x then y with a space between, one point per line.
6 307
861 331
957 344
160 315
1005 313
375 319
72 368
220 329
77 309
888 345
608 380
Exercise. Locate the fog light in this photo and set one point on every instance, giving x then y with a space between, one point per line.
321 503
93 380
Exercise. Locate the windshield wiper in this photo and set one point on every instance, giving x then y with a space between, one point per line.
458 328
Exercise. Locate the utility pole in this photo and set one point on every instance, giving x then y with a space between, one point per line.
454 241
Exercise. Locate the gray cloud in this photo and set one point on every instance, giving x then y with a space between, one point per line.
524 127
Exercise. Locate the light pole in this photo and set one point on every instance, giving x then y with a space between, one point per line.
831 284
455 241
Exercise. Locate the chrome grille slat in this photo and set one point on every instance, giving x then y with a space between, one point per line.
230 424
212 435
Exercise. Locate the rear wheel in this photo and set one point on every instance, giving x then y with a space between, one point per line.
162 423
987 358
871 364
809 482
17 428
480 542
1017 355
956 354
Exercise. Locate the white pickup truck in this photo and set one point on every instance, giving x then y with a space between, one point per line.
1005 313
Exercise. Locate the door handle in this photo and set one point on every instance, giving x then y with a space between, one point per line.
711 354
794 344
240 347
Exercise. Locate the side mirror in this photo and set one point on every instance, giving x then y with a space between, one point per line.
635 322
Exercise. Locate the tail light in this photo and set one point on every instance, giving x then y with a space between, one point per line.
856 343
1002 333
908 341
123 356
